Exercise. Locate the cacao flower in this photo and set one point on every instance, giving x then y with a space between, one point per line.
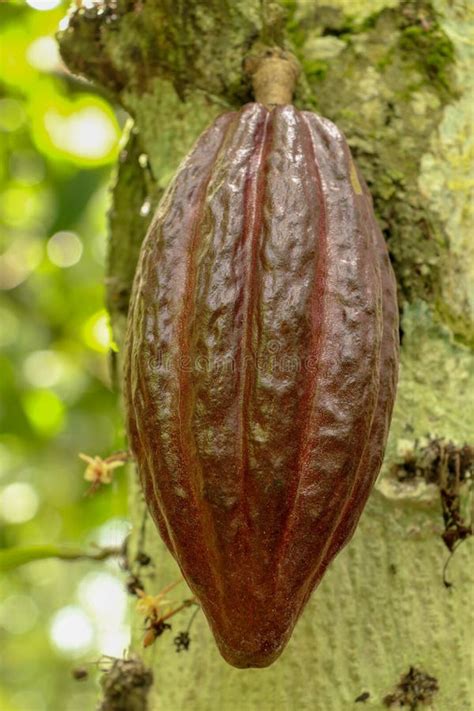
260 368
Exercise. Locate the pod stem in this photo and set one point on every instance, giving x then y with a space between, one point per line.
274 73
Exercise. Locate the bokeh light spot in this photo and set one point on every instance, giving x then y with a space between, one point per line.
113 532
43 54
104 597
43 4
18 614
71 631
27 167
18 205
96 332
12 114
20 259
45 411
64 249
43 368
87 133
18 502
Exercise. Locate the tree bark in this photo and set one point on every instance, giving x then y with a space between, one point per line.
394 75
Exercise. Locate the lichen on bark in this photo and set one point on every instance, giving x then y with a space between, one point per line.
395 71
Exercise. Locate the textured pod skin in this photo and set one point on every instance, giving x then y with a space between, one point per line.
260 368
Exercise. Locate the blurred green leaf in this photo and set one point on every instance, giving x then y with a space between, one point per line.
58 142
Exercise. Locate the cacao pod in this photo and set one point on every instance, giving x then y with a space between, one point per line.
260 368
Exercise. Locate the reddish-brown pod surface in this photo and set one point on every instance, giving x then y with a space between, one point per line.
260 368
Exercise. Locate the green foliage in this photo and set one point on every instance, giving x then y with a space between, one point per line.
58 141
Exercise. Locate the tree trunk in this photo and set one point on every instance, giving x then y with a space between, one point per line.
394 75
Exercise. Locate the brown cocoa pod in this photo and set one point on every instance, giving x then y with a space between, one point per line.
260 368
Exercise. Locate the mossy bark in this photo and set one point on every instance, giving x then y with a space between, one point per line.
394 74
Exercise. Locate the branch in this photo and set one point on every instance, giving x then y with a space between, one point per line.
14 557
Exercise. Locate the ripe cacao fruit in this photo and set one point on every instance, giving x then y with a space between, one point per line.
260 368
